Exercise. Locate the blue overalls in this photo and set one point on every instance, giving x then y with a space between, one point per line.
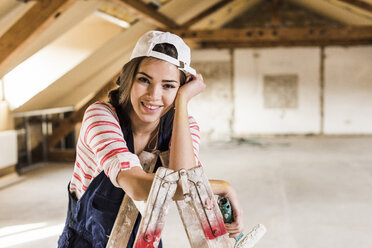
90 220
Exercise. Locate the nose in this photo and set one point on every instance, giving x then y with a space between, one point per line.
155 91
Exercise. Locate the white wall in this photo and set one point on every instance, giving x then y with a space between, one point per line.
8 148
250 67
238 102
348 90
214 107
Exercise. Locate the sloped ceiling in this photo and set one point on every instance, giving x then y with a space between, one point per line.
82 81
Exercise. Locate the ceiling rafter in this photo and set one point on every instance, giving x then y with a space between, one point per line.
147 12
65 126
206 13
359 4
38 18
260 37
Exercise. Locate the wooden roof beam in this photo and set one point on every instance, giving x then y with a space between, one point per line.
256 37
38 18
147 12
359 4
206 13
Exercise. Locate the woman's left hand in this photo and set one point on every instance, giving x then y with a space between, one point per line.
193 86
236 227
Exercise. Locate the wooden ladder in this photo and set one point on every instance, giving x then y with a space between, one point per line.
200 214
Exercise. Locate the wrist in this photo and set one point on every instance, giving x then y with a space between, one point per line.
181 100
181 97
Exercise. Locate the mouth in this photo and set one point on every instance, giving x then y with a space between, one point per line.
151 107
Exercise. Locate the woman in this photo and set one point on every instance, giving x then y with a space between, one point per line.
147 112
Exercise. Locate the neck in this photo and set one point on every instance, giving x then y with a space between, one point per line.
142 128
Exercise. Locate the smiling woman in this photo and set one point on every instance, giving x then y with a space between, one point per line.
154 90
146 113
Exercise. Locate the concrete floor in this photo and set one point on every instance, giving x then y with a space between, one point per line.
308 192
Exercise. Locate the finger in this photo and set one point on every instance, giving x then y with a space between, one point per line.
189 78
233 235
237 227
234 228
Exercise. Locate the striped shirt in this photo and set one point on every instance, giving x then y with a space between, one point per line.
101 147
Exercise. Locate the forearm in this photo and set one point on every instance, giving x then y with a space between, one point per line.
181 150
136 183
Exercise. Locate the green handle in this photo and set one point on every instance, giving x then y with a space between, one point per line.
227 213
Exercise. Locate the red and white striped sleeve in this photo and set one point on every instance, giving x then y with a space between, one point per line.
101 145
195 135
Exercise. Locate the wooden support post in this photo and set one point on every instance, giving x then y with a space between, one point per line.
275 20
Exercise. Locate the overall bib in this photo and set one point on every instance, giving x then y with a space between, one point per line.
90 219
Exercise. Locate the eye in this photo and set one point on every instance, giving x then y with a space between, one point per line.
168 86
143 80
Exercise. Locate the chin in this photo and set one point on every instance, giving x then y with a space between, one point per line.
150 119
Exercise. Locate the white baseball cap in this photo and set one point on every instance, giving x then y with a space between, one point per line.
147 42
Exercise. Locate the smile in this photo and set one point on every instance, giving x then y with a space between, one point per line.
150 106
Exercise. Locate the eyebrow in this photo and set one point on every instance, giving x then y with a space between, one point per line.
164 80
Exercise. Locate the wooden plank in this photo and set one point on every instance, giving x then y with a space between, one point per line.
193 228
38 18
206 13
128 212
147 12
66 125
359 4
160 196
255 37
205 210
124 224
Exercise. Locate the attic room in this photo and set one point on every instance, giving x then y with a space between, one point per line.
285 118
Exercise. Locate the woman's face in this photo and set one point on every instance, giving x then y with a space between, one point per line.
154 89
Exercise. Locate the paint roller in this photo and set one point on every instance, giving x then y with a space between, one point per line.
241 241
